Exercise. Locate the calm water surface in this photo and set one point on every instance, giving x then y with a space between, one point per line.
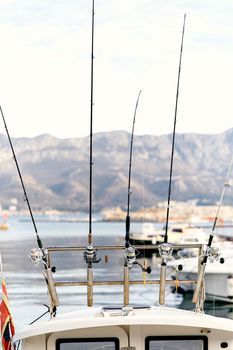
25 283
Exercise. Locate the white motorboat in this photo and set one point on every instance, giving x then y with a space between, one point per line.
148 234
218 276
179 233
182 233
130 328
123 326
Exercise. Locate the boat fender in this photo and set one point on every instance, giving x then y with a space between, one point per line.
230 286
224 345
222 260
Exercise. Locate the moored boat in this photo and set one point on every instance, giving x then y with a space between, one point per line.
218 276
177 233
125 326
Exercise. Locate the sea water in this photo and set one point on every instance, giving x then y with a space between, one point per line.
26 287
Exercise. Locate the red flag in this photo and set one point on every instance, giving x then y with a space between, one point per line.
7 326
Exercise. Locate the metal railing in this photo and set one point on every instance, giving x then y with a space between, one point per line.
126 281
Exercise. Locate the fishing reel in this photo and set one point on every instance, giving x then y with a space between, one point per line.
165 251
90 255
36 256
129 256
144 268
130 259
213 254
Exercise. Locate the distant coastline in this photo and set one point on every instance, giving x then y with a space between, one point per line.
179 212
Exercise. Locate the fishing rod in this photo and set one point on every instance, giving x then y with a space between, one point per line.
90 253
173 137
40 245
36 255
91 125
127 221
208 252
166 248
129 254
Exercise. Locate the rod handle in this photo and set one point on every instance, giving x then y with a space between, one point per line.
89 286
162 283
199 283
126 285
51 287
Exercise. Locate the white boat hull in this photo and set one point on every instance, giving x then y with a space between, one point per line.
218 278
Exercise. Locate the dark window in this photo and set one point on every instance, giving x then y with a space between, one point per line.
87 344
177 343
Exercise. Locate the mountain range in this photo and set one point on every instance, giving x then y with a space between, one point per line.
56 171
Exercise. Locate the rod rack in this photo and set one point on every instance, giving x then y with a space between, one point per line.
126 282
120 283
121 247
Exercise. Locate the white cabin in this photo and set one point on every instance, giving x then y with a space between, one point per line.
131 328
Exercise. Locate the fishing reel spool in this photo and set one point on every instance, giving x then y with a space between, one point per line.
130 259
165 251
213 254
90 255
36 256
130 256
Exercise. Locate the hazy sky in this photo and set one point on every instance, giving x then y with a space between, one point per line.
45 65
